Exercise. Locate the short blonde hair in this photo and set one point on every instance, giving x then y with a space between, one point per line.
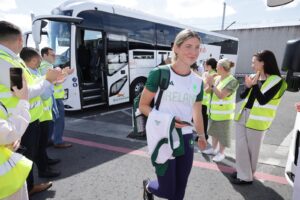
181 37
226 64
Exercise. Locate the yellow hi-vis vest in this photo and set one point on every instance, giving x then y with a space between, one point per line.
59 92
36 107
222 109
14 168
47 107
261 116
207 95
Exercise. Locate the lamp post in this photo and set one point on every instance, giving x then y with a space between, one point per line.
223 18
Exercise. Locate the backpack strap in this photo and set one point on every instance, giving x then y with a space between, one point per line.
164 79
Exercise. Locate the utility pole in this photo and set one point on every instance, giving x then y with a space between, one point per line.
230 25
223 19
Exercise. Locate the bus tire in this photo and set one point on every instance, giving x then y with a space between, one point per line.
136 87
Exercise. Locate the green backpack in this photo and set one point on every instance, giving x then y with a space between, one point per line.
164 79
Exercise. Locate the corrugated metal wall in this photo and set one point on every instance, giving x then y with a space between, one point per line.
256 39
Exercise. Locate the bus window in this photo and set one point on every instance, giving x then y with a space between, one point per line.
117 50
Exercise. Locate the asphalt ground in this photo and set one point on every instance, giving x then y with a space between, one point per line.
104 164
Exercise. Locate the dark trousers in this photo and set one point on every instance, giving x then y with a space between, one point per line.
30 140
59 123
205 120
173 184
42 156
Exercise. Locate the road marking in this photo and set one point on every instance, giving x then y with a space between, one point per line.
114 111
204 165
126 113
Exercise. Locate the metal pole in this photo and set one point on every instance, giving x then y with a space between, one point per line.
223 19
230 25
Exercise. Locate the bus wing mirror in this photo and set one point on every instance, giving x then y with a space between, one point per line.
274 3
37 27
291 64
36 31
291 59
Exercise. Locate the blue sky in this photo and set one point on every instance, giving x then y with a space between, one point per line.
204 14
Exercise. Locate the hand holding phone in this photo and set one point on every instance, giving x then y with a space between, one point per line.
23 92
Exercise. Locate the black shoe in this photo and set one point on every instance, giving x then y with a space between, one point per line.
233 175
53 161
238 181
147 195
49 173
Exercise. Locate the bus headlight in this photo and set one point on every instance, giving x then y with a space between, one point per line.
117 86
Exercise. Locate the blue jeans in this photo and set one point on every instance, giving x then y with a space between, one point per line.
59 123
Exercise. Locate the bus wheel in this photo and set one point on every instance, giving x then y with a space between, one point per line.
136 87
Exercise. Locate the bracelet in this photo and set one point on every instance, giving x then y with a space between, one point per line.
201 135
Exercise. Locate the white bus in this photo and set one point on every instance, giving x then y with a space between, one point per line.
113 48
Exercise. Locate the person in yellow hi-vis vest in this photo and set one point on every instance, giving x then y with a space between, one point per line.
210 69
57 127
14 168
11 44
221 108
32 60
261 99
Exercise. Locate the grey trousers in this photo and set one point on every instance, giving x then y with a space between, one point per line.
21 194
248 142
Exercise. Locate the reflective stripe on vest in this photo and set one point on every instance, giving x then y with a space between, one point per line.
9 100
222 109
261 116
10 163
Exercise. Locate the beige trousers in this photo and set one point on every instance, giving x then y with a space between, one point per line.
248 142
21 194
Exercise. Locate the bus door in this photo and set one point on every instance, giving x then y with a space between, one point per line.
117 68
90 65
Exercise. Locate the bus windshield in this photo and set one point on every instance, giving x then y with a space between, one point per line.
59 39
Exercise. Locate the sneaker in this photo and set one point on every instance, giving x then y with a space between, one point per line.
146 194
219 157
238 181
210 151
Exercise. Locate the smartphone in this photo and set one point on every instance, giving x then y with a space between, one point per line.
16 77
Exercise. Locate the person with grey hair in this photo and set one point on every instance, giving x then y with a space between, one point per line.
172 175
221 108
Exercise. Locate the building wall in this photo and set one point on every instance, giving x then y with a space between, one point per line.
256 39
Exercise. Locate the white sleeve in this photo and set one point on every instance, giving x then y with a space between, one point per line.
14 127
4 75
38 88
